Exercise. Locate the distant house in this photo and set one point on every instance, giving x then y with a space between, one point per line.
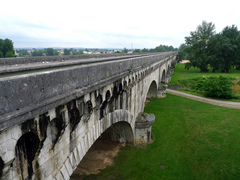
117 50
61 51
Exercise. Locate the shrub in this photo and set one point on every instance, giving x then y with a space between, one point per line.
219 87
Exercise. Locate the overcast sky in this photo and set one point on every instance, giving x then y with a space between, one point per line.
110 24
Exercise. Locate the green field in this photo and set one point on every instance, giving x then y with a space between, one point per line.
181 73
193 140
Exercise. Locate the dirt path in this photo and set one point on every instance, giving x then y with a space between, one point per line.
229 104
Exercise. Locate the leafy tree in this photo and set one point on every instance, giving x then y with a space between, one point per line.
55 52
144 50
6 48
125 50
136 50
80 51
23 52
66 52
1 48
37 53
198 43
182 55
223 49
49 52
219 87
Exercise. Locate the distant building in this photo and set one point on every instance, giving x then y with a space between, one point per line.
117 50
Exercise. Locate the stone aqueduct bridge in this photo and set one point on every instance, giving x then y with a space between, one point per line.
49 118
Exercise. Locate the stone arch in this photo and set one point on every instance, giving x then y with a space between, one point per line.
120 132
152 91
26 150
115 117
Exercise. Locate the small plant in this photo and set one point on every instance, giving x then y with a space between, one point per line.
130 69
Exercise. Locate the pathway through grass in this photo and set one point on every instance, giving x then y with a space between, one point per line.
193 140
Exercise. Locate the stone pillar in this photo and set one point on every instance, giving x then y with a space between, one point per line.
168 77
161 91
143 125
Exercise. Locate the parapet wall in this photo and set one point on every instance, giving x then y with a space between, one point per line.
40 59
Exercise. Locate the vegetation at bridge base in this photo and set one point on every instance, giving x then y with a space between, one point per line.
204 47
193 140
218 84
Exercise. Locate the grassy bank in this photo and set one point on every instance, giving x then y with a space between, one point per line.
190 78
193 140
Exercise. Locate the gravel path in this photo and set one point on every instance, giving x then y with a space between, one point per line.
229 104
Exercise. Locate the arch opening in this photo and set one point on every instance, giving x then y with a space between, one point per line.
102 152
152 91
26 150
163 76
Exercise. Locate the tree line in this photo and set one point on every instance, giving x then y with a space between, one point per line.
160 48
48 52
205 47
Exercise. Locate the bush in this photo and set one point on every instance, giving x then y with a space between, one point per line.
219 87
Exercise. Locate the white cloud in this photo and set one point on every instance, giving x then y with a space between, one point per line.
112 24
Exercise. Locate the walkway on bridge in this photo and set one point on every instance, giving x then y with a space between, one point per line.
228 104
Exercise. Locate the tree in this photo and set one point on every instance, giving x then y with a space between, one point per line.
6 48
198 43
37 53
49 52
232 34
125 50
223 49
66 52
23 52
182 55
55 52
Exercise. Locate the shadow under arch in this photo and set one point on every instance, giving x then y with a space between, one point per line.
163 78
119 132
152 91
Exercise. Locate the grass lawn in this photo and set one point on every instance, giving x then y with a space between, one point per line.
181 73
193 140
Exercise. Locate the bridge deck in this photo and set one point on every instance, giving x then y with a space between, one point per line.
11 69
